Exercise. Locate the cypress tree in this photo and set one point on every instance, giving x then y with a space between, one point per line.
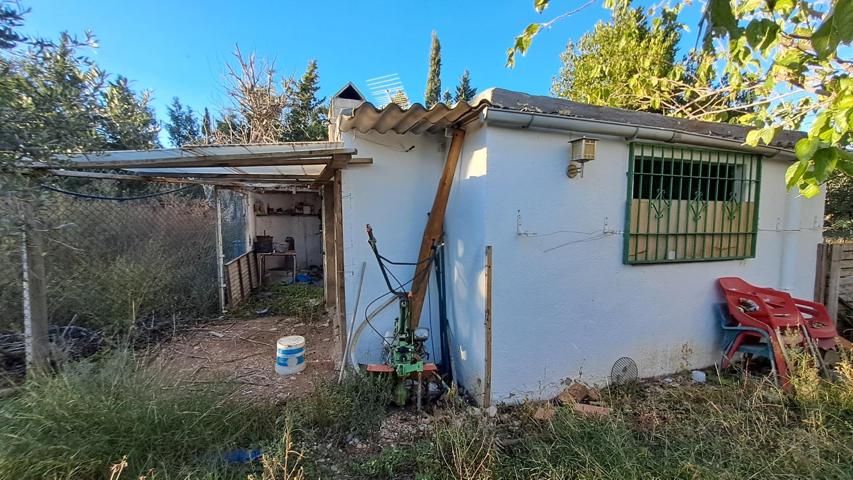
433 86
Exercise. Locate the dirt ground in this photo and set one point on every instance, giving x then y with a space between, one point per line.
243 351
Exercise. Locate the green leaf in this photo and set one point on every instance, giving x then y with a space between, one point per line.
522 43
846 166
762 34
806 147
785 7
752 137
794 173
748 6
844 18
809 190
768 133
540 5
792 59
720 15
825 160
826 38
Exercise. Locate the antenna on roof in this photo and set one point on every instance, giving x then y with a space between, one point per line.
388 89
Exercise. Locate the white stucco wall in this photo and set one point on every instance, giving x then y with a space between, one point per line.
393 195
465 229
566 307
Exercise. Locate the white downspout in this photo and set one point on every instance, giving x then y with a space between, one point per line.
790 236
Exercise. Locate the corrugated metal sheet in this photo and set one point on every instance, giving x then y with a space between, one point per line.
252 165
415 119
212 152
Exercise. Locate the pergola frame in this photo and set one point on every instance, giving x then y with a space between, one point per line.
193 165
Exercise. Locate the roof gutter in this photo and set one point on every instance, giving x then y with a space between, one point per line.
549 122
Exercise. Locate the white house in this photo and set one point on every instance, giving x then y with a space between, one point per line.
574 236
618 259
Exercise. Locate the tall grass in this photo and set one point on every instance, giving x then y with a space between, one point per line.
91 415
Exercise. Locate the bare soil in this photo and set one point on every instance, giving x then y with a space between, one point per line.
243 351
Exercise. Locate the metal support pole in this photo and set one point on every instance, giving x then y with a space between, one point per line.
36 341
220 255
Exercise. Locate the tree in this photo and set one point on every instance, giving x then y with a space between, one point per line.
839 206
306 117
207 125
129 122
257 103
598 70
446 97
433 86
182 127
464 91
783 54
11 18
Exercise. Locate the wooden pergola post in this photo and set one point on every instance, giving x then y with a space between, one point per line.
330 284
434 228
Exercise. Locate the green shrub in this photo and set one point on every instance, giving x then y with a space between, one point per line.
91 415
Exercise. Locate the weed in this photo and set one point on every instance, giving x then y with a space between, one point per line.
298 300
392 462
92 414
354 407
284 461
466 447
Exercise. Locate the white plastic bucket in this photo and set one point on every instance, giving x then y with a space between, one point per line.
290 355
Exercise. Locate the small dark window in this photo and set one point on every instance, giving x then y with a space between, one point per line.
680 180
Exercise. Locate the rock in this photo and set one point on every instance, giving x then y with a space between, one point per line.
591 409
594 395
698 376
492 411
574 393
545 412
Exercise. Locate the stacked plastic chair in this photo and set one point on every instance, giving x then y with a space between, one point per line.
763 320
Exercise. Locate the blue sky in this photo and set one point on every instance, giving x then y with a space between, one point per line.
179 48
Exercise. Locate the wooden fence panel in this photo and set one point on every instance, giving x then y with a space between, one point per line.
241 278
834 276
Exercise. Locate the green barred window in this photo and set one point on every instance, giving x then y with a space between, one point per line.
690 204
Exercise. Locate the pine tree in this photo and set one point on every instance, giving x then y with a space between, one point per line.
183 128
447 98
464 91
433 86
305 117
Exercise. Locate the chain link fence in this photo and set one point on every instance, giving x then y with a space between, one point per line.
114 265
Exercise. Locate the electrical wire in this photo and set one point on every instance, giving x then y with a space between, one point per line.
115 199
597 237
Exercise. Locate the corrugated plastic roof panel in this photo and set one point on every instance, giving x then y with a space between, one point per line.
415 119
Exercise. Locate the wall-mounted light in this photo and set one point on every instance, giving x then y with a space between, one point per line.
583 150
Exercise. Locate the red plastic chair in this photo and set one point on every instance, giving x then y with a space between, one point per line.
781 310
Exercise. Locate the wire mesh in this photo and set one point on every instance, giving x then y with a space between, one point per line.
115 265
